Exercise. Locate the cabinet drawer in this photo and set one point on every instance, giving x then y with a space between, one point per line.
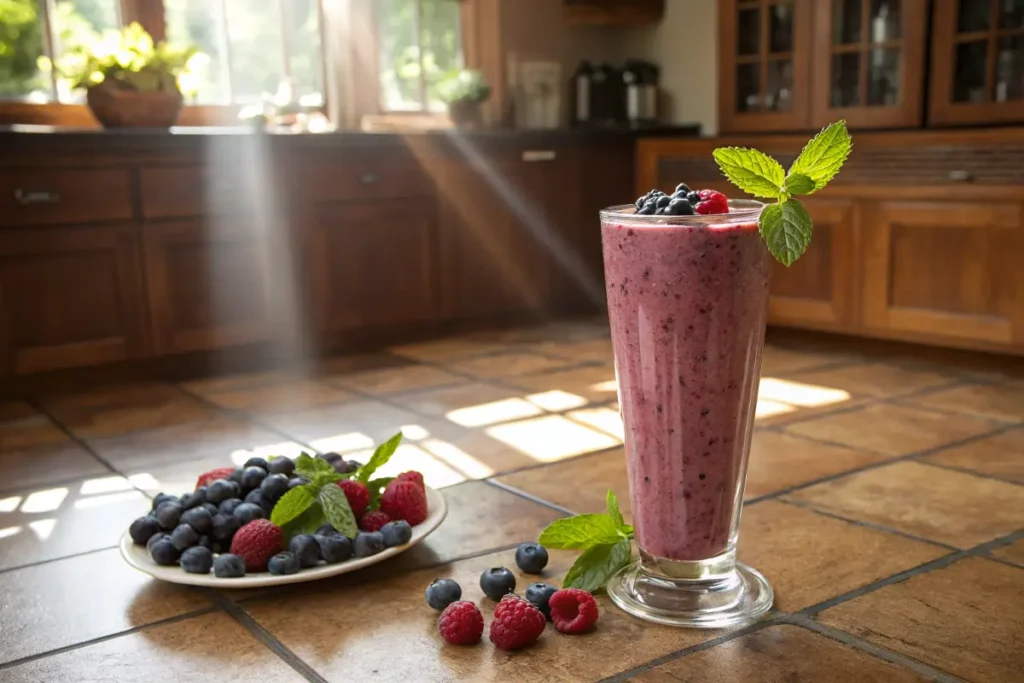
38 196
370 179
192 191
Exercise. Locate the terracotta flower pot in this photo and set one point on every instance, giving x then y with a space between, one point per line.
118 107
466 114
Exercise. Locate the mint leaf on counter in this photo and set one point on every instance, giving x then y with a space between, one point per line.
293 504
580 532
337 510
612 503
786 226
752 171
594 567
379 458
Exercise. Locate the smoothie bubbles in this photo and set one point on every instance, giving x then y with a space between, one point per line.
687 278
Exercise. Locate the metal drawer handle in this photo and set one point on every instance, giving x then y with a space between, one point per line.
534 155
26 197
368 178
961 176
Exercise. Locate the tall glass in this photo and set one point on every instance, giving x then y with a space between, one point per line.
687 302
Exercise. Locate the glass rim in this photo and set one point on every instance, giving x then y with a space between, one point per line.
739 209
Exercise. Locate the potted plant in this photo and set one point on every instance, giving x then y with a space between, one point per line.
464 93
129 80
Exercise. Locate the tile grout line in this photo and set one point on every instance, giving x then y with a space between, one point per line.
965 470
260 633
35 403
57 559
529 496
212 609
852 641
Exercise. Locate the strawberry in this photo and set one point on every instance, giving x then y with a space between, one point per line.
413 476
208 478
357 493
256 543
405 500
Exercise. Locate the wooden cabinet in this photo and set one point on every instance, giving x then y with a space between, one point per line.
613 12
818 290
70 296
945 270
371 263
764 65
977 73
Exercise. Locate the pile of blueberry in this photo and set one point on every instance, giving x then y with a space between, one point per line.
682 202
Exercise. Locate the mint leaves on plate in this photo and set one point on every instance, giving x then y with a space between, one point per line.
785 225
604 538
305 508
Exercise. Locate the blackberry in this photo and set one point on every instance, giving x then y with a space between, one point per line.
531 558
334 547
199 519
143 529
184 537
497 582
396 533
281 465
443 592
283 563
197 560
306 549
229 567
368 543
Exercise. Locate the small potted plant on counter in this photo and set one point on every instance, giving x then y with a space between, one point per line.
129 80
465 93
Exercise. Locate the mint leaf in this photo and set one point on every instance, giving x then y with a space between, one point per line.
337 510
752 171
306 467
581 531
823 156
376 487
798 183
786 229
379 458
293 504
306 523
612 503
594 567
326 478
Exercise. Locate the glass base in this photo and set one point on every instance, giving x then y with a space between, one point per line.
736 595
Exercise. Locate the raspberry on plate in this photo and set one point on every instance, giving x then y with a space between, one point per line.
517 623
573 610
357 493
374 520
414 476
405 500
461 623
256 543
208 478
712 202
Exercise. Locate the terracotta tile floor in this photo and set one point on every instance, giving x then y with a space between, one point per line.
885 502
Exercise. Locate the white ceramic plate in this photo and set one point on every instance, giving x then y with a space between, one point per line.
136 556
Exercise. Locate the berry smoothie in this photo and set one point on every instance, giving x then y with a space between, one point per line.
687 300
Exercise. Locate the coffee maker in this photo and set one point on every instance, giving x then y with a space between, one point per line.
640 80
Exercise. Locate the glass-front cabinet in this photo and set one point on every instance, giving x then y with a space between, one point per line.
977 62
765 64
869 62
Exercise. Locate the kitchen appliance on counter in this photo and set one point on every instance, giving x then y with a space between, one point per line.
604 96
640 79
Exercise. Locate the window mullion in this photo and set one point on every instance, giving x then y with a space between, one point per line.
225 48
49 45
418 32
286 47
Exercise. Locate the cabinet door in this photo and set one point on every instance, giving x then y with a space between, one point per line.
818 290
208 283
613 12
764 65
869 62
947 271
372 262
977 73
69 296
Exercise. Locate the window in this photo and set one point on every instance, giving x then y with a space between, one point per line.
250 48
420 47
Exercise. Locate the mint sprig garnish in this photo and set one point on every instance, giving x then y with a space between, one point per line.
306 508
604 538
785 226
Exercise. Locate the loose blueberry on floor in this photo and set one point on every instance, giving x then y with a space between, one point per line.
197 560
229 506
224 527
164 498
368 543
334 547
305 548
168 515
229 567
256 461
143 529
222 489
273 487
281 465
164 553
246 512
199 519
531 558
252 477
184 537
539 594
496 582
256 497
194 499
283 563
396 533
443 592
154 539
